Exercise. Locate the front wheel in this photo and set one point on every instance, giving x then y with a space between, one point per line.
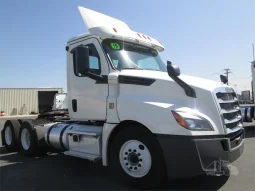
137 159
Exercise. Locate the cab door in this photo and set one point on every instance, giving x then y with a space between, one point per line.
88 97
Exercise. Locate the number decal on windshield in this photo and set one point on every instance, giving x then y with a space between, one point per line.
115 46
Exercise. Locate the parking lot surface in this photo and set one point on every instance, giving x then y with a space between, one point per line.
58 172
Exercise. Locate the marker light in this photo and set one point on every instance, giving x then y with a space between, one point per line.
180 120
139 35
115 30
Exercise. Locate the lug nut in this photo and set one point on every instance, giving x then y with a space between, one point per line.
129 150
134 150
139 165
135 168
140 160
126 153
131 168
125 158
139 154
126 164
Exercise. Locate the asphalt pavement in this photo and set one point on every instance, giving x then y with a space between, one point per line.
58 172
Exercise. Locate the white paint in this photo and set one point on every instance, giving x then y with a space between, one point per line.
94 19
148 105
91 97
191 80
142 164
164 105
133 103
102 25
25 139
107 130
112 113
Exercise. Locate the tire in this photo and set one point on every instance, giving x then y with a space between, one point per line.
28 139
20 121
139 140
9 136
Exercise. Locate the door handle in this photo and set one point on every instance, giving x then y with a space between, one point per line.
74 105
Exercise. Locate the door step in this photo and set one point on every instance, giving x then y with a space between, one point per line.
82 155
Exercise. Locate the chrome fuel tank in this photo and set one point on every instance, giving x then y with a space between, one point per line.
56 136
75 137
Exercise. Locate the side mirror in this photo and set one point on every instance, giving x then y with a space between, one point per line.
173 70
223 79
81 59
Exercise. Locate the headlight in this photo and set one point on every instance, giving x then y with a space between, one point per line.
192 122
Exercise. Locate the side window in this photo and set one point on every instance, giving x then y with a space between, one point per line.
94 61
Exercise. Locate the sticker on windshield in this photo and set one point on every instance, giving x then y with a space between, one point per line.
115 46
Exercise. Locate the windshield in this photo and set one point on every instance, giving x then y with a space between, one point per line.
126 55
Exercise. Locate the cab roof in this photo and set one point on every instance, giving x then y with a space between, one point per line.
108 27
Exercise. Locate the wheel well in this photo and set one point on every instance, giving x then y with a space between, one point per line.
121 126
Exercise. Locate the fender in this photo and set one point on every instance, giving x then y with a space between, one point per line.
108 129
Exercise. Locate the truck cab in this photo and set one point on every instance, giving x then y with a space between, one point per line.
139 115
116 76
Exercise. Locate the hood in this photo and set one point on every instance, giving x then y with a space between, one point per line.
165 95
197 82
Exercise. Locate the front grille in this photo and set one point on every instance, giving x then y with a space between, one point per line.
230 110
226 96
231 116
229 106
233 125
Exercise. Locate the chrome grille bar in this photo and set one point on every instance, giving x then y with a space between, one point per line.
229 107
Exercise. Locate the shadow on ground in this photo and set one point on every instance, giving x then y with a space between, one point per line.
58 172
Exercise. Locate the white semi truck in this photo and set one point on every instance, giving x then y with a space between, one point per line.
134 113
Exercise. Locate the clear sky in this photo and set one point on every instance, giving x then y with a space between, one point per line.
201 36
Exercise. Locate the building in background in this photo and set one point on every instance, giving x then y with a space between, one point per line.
25 101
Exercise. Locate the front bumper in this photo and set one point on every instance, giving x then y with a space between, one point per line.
188 156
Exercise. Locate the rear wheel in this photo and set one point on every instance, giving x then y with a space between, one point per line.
20 121
137 159
9 138
28 139
25 139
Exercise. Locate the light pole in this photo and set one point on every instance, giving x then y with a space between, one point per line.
227 72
